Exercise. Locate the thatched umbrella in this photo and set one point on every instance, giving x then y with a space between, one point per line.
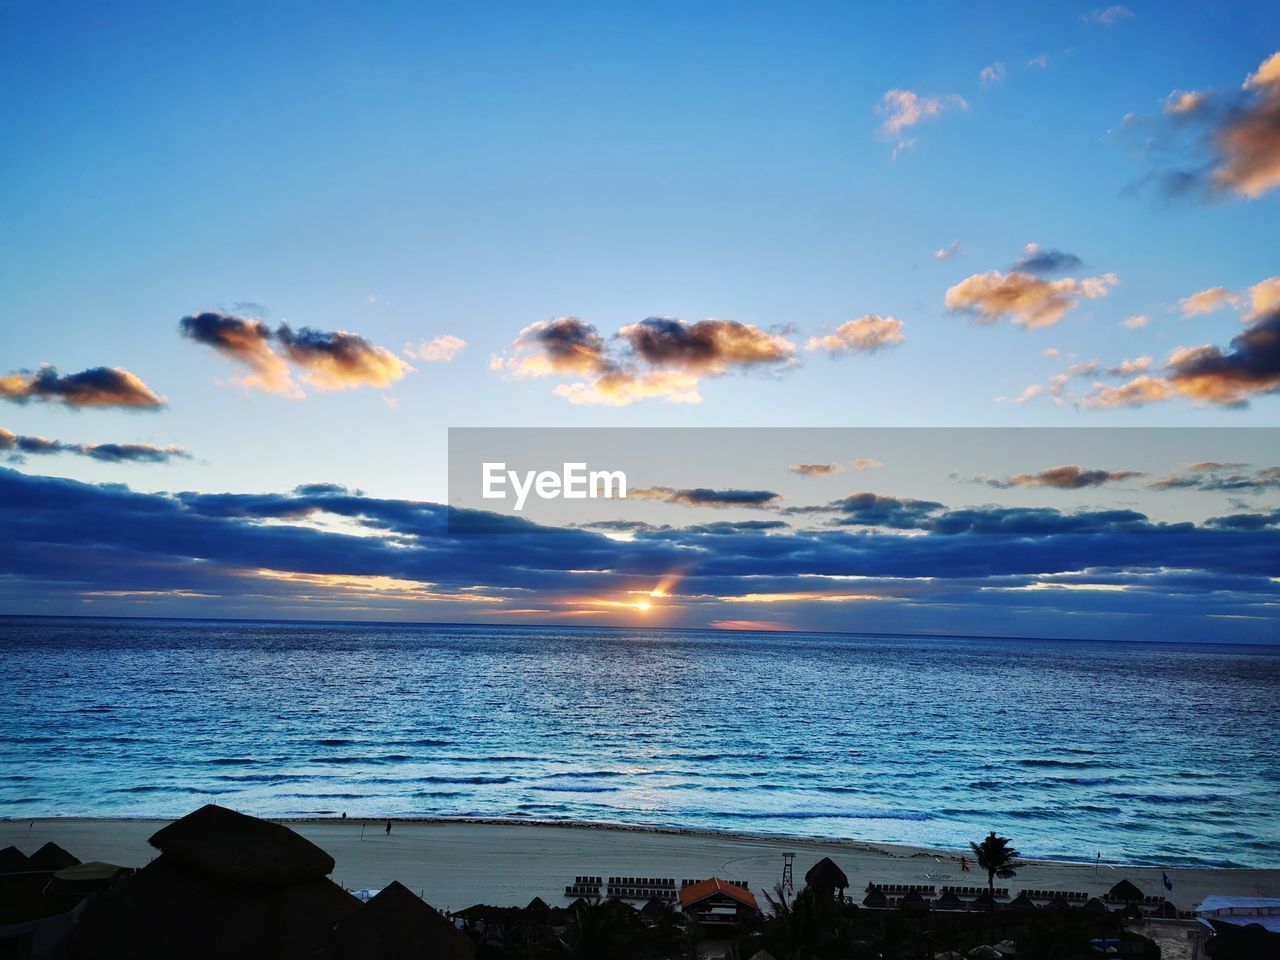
1095 907
1132 911
51 857
397 924
537 907
224 885
1166 911
984 900
913 901
876 900
1023 902
825 878
236 848
948 901
579 904
1125 892
1059 904
13 860
655 909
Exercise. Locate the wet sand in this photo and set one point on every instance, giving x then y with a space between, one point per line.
454 864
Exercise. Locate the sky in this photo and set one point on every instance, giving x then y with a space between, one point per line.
252 247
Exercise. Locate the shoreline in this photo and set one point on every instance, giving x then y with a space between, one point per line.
882 848
454 862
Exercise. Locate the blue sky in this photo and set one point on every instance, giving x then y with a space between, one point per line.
408 172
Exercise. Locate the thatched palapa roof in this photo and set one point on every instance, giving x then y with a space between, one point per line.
236 848
13 860
397 924
1023 902
948 901
913 899
875 899
826 877
51 857
224 885
1095 906
1126 892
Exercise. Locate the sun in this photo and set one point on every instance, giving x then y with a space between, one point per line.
643 605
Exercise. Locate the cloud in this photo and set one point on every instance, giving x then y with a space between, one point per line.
904 109
1136 322
1038 260
1128 368
992 74
1207 301
96 387
865 335
441 349
1026 300
1038 62
1107 16
339 360
336 360
658 357
816 469
949 252
246 341
1136 393
559 346
1264 298
1066 477
705 347
68 543
1249 367
16 445
704 497
867 509
1234 150
1220 478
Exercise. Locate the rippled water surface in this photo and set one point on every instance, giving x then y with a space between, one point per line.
1146 752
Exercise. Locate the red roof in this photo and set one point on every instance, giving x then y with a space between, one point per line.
709 888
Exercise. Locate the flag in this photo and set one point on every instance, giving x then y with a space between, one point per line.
1168 884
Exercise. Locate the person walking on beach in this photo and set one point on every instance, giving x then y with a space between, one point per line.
964 865
388 828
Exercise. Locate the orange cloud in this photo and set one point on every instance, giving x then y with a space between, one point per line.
96 387
339 360
1026 300
864 335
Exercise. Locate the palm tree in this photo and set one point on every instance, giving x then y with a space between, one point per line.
995 856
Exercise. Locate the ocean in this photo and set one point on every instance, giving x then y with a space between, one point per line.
1139 752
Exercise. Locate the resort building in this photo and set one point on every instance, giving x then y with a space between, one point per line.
717 902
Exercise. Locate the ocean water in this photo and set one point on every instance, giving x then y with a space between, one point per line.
1142 752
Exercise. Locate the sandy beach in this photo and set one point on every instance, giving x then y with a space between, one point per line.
454 864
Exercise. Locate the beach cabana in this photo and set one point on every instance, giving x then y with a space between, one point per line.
825 878
13 860
1125 892
876 900
1095 907
51 857
395 924
717 902
1059 904
224 885
983 901
948 901
1023 903
912 900
1166 911
654 910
